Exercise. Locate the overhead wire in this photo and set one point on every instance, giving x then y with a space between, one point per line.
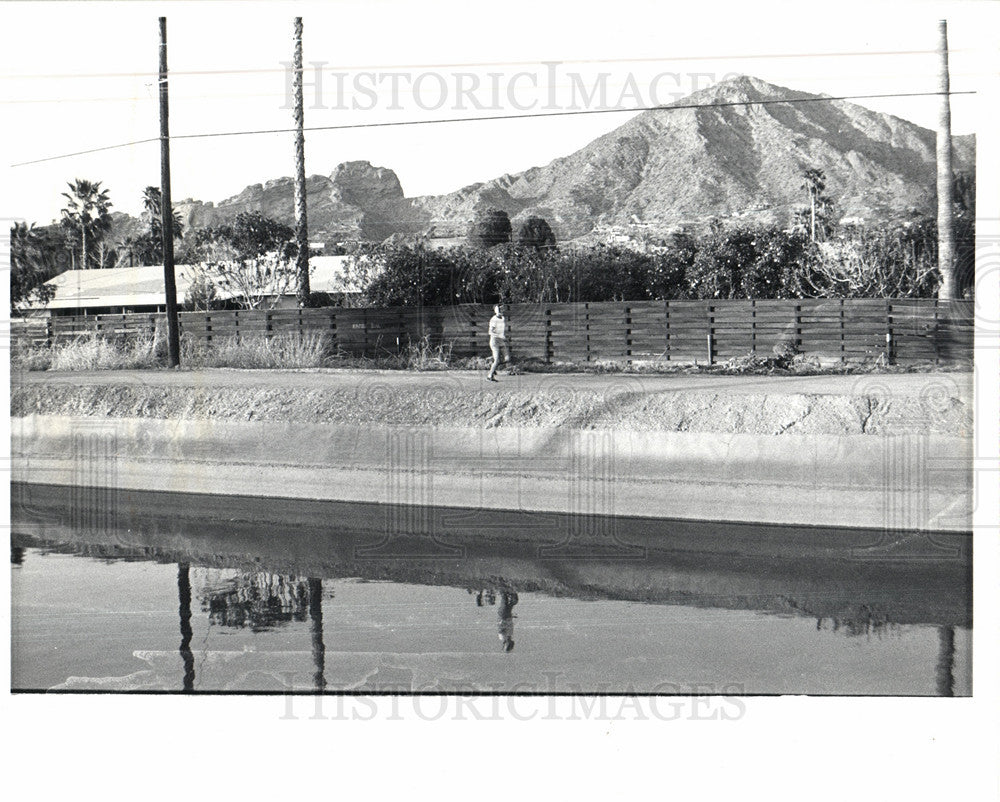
493 118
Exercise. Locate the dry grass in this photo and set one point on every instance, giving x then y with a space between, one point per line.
281 351
314 350
91 353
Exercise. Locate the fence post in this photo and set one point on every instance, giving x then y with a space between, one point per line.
548 334
798 328
666 328
843 338
936 334
628 335
711 326
888 332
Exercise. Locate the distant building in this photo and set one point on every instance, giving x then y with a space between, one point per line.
141 289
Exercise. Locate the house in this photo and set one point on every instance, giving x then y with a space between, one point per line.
141 289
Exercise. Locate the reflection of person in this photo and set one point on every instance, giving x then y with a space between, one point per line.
505 630
498 340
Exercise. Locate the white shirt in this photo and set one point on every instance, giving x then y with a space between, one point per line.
498 327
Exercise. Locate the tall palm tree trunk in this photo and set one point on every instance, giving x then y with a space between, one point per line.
301 226
946 231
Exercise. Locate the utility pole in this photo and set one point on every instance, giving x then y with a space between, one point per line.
946 229
301 226
167 209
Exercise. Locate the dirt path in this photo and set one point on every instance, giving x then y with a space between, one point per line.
898 384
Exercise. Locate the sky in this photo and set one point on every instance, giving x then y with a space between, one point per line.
65 92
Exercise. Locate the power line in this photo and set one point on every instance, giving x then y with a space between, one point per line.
136 98
478 64
533 115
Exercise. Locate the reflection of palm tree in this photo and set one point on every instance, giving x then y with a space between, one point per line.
184 610
259 601
862 620
316 619
945 669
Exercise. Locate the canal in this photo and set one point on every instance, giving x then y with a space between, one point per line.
127 591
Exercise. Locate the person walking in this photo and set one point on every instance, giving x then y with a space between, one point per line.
498 340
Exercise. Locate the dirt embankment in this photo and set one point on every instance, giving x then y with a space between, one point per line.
380 401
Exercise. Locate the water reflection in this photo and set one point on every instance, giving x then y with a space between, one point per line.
184 611
945 669
316 629
508 598
257 600
262 601
254 600
862 621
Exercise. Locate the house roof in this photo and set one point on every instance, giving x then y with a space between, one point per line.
144 286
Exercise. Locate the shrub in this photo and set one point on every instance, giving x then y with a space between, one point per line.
491 227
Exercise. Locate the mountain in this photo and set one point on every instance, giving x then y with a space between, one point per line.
706 155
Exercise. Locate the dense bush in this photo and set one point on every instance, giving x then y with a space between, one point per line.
535 232
491 227
736 261
749 262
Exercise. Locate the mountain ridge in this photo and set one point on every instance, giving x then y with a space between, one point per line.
734 149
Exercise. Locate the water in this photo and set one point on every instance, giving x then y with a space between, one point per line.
157 592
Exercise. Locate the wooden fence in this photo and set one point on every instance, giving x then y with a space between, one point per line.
901 331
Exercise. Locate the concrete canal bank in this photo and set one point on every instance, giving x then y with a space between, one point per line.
881 451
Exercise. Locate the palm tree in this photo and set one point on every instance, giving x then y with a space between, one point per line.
87 211
814 184
152 242
152 204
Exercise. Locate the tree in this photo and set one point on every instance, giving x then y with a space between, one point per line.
748 261
820 205
948 289
490 228
251 258
29 268
964 220
152 204
888 261
147 246
88 213
667 276
535 232
201 293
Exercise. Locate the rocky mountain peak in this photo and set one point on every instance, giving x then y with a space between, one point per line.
361 184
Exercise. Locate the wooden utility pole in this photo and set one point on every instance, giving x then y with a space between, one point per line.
167 209
946 227
301 226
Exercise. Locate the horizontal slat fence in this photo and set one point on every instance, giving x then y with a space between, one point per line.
900 331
